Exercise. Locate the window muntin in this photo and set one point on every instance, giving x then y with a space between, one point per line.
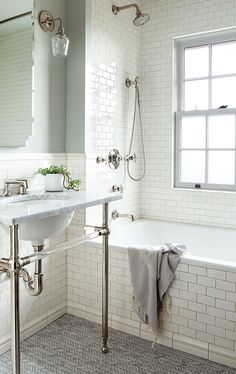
209 76
206 149
206 117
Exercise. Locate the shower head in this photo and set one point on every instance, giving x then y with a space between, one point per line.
140 18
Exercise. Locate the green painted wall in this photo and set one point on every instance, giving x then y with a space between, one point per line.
76 76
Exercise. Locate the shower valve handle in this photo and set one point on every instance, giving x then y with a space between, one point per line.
131 157
100 160
113 159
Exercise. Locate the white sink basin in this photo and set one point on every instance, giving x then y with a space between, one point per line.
40 229
41 215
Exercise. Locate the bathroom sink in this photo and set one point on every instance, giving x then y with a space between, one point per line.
43 228
43 215
40 229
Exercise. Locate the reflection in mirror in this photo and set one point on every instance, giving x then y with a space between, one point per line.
16 75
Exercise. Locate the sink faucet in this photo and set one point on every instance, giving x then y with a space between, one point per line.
115 215
21 183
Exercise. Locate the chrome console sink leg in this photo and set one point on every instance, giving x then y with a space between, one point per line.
15 298
105 264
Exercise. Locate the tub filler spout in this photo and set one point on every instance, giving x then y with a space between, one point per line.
115 215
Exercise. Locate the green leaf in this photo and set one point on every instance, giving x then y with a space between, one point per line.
54 169
74 184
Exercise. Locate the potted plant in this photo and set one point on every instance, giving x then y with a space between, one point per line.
57 178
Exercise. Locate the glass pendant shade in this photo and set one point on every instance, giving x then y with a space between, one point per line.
60 44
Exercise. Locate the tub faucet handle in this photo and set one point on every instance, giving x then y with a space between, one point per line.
117 188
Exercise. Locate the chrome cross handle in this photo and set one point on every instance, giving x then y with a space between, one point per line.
100 160
131 157
114 159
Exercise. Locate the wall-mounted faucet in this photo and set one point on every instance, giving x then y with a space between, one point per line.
21 183
115 214
114 159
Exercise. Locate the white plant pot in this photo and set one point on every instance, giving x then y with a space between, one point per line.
54 182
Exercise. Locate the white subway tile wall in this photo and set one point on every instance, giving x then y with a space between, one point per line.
170 19
115 56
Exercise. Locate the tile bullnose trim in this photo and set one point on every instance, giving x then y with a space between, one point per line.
222 355
189 345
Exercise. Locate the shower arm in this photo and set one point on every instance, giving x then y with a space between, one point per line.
117 9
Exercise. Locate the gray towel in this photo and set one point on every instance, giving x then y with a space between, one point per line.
152 271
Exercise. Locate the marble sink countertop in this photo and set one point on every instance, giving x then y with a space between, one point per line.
37 205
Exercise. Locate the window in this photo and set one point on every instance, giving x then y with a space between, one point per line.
205 135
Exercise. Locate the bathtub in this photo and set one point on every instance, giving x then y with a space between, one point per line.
202 318
205 244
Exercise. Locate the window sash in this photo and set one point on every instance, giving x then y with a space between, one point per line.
180 45
204 40
178 149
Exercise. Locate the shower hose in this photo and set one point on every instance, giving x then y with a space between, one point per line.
137 101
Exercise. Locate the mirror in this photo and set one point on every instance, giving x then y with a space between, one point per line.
16 72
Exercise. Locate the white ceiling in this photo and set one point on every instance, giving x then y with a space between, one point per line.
11 8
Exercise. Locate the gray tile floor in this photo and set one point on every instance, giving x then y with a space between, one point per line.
72 345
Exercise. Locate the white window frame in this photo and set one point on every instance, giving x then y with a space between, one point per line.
180 45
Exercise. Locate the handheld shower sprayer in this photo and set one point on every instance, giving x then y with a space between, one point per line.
137 105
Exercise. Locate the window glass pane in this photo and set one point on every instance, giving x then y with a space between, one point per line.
221 131
221 167
192 166
196 95
196 62
224 58
223 92
193 132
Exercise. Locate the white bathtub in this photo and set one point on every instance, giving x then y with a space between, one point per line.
204 243
202 318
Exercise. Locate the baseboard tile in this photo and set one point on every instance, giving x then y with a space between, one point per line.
125 328
189 345
222 355
73 308
33 326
